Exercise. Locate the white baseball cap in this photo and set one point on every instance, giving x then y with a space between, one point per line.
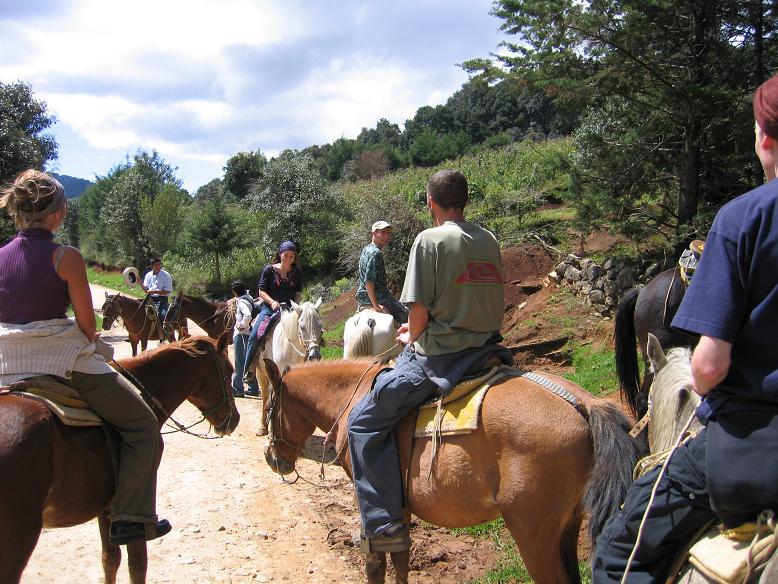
379 225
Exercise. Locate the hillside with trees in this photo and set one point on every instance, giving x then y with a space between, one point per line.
631 117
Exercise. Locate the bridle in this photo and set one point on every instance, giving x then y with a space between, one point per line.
309 344
172 422
275 406
112 302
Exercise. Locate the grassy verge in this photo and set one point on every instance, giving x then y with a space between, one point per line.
332 335
594 369
510 569
112 280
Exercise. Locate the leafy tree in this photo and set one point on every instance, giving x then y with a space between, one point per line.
298 206
209 190
110 225
68 233
241 171
665 86
162 217
24 120
369 164
214 232
430 148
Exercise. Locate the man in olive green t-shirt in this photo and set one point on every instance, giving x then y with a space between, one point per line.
453 286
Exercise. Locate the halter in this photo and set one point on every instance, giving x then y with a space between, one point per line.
172 422
310 343
113 302
275 403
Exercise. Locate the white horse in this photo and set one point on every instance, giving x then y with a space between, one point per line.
369 333
294 339
671 397
671 402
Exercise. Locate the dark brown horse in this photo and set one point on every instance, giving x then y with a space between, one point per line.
138 316
215 318
641 311
58 476
535 460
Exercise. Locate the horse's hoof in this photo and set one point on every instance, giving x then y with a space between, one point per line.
262 432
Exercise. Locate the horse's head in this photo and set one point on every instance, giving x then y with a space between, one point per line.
213 394
672 398
172 322
310 328
111 310
287 432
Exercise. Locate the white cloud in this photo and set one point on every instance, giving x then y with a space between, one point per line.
201 80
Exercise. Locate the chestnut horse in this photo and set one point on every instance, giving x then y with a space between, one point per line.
135 316
535 460
215 318
642 311
58 476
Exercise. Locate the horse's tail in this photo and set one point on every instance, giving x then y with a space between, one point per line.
361 339
615 455
627 368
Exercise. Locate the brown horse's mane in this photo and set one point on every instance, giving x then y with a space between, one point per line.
203 302
191 346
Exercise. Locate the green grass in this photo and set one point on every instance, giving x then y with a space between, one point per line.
112 280
510 568
594 369
331 336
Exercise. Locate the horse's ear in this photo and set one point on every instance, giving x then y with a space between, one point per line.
106 295
224 338
318 304
296 307
655 353
272 372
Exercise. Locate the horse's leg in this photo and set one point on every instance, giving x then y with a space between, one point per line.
400 563
137 561
264 383
19 532
375 567
112 554
549 552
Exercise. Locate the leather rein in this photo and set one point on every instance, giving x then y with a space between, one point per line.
172 422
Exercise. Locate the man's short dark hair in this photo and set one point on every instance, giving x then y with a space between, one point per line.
239 287
449 189
154 261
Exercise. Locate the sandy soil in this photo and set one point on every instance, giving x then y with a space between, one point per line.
234 521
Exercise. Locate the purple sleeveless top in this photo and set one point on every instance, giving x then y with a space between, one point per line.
30 288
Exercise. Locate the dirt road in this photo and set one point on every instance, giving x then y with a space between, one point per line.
234 521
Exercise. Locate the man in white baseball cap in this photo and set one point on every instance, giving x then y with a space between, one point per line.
372 291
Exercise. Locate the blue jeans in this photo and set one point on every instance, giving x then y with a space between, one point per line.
681 508
254 342
239 346
374 457
396 309
162 303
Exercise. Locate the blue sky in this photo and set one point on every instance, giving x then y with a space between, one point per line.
201 80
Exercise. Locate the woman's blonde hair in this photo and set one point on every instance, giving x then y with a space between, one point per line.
32 196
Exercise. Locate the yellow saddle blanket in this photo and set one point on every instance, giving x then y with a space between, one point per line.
457 412
62 400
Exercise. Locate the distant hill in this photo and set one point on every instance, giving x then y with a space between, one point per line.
73 186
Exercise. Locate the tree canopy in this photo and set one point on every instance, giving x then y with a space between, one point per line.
664 87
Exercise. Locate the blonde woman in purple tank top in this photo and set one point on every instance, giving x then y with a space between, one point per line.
38 280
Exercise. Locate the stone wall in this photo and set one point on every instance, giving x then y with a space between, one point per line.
602 286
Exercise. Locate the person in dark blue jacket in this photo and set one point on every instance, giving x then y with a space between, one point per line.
729 471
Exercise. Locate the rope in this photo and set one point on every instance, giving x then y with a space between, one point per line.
335 424
654 489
